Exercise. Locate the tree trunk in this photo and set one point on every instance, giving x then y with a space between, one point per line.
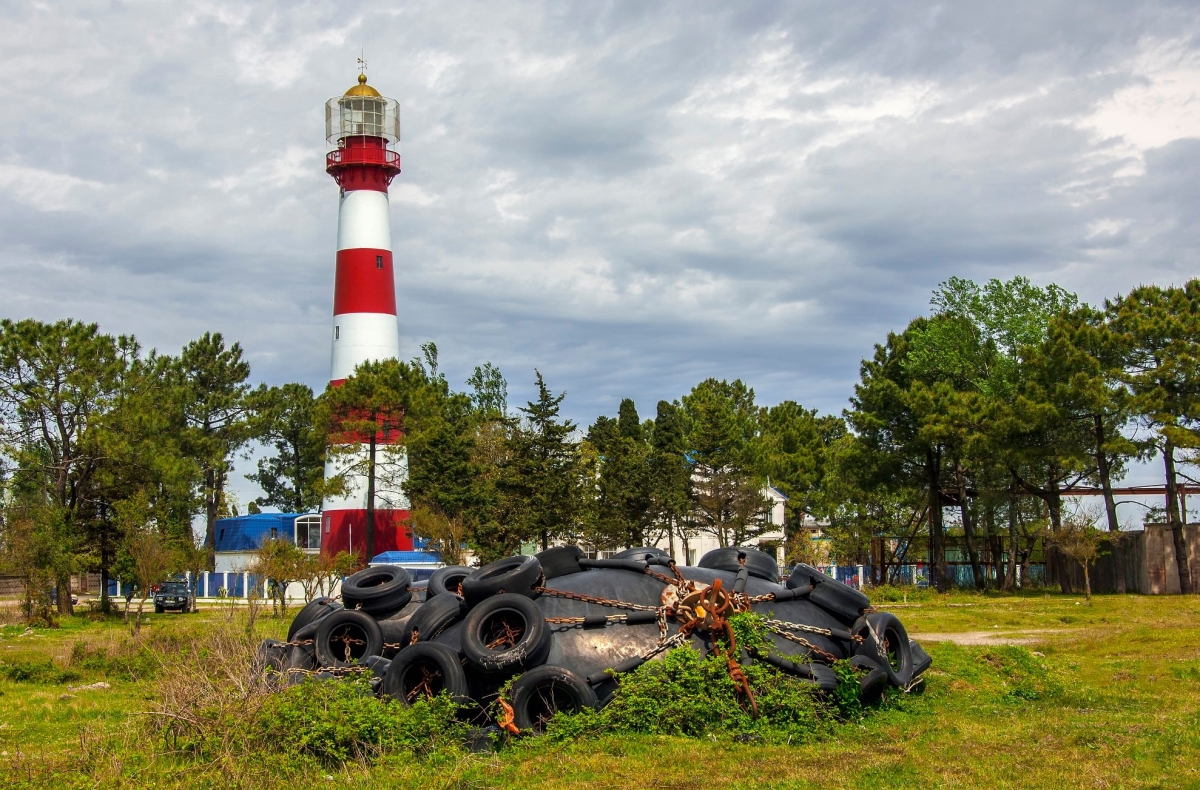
1087 585
968 520
1110 505
1014 548
937 544
1174 520
370 526
64 595
210 509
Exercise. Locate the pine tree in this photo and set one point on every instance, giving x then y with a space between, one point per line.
546 467
1160 328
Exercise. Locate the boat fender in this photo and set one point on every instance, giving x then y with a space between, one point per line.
637 566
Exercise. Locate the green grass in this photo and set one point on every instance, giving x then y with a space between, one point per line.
1112 701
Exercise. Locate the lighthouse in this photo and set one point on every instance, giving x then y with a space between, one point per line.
362 129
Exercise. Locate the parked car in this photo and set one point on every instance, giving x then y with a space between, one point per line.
54 597
174 595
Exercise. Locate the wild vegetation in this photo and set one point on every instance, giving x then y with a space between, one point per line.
967 427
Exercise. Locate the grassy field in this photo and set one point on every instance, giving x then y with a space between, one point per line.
1115 703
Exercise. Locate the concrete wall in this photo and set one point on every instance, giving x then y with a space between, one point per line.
1146 559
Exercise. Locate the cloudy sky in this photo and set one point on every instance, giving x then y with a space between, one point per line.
629 196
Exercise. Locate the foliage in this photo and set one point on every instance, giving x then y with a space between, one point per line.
280 563
337 722
685 694
292 478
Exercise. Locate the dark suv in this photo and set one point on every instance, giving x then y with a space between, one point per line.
174 595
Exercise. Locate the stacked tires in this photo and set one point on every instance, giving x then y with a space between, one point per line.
563 625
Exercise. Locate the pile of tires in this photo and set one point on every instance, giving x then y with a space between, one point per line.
565 627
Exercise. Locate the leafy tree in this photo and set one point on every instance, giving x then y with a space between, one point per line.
56 381
1079 540
291 478
793 450
210 386
722 431
966 361
624 501
280 563
670 472
489 391
150 558
895 453
1160 329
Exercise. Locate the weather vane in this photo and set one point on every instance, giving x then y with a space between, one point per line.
362 61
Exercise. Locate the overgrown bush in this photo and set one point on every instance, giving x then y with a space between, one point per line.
339 721
686 694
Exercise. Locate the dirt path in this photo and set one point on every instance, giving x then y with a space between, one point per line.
1024 637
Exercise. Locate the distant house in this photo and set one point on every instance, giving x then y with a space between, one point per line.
238 538
689 551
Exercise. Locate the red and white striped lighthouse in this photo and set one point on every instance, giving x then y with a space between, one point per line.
363 128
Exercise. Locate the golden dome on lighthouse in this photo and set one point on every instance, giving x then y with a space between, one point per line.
362 88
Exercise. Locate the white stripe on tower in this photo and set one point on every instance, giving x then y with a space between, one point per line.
368 331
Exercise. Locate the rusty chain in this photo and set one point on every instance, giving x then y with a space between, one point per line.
830 657
593 599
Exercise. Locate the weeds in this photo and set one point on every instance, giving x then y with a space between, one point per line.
686 694
34 671
340 721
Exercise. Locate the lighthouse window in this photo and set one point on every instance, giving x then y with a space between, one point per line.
337 332
378 261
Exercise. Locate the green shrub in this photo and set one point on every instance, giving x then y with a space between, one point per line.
338 721
44 671
685 694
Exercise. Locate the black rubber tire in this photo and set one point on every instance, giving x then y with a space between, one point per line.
635 566
506 611
921 660
271 658
560 561
760 564
158 609
351 624
302 657
434 616
886 642
805 576
514 575
822 676
649 554
313 611
543 691
380 591
378 666
446 580
871 686
412 665
839 600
